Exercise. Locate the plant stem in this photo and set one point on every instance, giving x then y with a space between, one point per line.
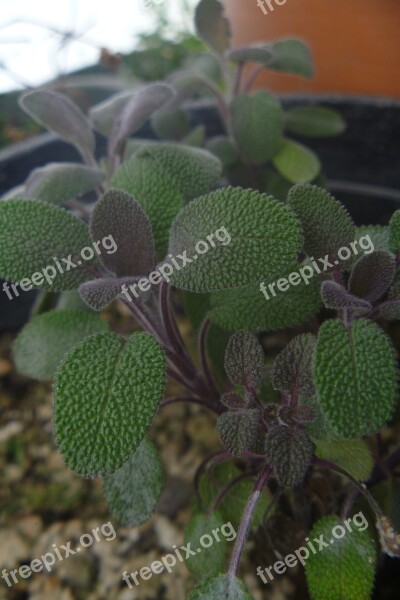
252 77
191 399
229 486
204 361
246 521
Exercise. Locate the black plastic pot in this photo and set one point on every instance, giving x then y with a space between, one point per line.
361 166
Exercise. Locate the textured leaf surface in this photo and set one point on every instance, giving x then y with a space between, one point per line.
335 297
265 237
117 214
326 224
46 339
208 560
237 430
244 359
356 376
220 588
292 372
224 149
170 124
352 455
103 115
372 275
296 162
247 308
58 182
394 232
98 293
59 114
258 53
212 25
106 394
292 56
314 121
32 234
133 492
289 451
345 569
375 237
257 123
233 400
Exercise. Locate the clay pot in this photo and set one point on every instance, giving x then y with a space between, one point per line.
355 43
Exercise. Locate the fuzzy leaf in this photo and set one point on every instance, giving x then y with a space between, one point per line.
292 56
220 588
71 300
326 224
33 234
136 111
314 121
117 214
106 394
223 147
296 163
58 182
46 339
335 297
59 114
233 400
208 560
103 115
394 232
247 307
264 237
376 236
289 451
196 137
352 455
355 374
257 123
133 492
390 310
212 25
98 293
256 53
244 359
170 124
237 430
372 275
292 372
345 569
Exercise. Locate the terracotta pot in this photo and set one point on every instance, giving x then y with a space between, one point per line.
355 43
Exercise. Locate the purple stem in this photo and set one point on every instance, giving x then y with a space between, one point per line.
246 521
191 399
204 361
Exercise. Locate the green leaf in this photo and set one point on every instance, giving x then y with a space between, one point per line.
35 234
387 494
46 339
238 430
289 451
292 56
296 162
56 183
257 123
103 115
118 216
326 224
372 275
71 300
212 25
314 121
196 137
345 569
106 394
234 502
355 374
223 147
260 235
61 115
352 455
247 307
98 293
376 236
394 232
256 53
244 359
170 124
292 373
220 588
209 560
133 492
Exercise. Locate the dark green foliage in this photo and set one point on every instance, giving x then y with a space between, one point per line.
244 359
289 451
238 430
292 372
209 560
212 26
372 275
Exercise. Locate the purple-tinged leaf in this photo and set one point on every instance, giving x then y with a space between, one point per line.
233 400
238 430
289 452
372 275
59 114
302 413
244 359
117 214
137 110
390 310
335 297
98 293
212 25
103 115
292 373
